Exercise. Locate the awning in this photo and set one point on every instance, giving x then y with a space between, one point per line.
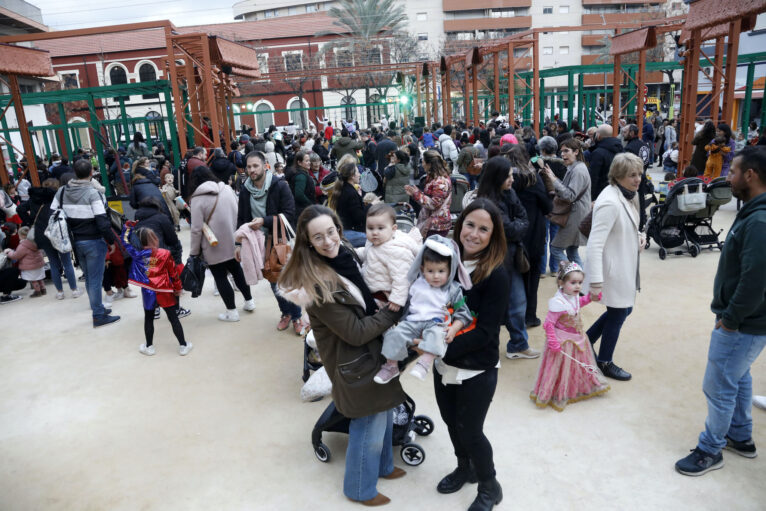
22 61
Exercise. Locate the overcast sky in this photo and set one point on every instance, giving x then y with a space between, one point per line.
69 14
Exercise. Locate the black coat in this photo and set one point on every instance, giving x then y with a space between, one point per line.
515 224
223 169
38 209
350 209
143 188
600 160
162 226
382 150
537 204
279 200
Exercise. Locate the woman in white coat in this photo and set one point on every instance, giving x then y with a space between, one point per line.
612 257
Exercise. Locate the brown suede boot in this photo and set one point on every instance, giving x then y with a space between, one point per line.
377 500
395 474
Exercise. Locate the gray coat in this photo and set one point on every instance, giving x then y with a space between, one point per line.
223 221
575 181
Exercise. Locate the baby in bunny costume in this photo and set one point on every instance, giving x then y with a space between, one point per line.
435 311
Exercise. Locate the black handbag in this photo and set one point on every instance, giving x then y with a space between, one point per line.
193 275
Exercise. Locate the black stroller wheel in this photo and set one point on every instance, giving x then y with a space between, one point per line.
412 454
424 426
322 452
694 250
663 253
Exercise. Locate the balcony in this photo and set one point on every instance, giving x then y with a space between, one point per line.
466 25
593 39
620 17
619 2
462 5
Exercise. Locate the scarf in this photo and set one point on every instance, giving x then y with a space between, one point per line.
345 265
626 193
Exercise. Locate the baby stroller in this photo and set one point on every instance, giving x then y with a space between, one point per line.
699 226
311 359
406 426
667 224
405 216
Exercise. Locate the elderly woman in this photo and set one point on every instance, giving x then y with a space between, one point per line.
323 275
612 256
466 377
575 189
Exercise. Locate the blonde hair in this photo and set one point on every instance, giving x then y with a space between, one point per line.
23 231
622 165
305 270
346 171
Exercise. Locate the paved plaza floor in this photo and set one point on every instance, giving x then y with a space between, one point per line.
88 423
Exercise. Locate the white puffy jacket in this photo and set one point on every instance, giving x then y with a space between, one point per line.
385 267
448 149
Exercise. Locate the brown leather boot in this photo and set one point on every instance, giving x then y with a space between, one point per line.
395 474
377 500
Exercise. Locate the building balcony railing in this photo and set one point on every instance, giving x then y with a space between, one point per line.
593 39
620 17
465 25
462 5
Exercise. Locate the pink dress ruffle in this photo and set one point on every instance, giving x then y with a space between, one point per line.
561 380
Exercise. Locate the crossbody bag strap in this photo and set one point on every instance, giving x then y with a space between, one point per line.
210 215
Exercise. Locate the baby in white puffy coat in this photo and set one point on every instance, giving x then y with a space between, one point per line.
387 256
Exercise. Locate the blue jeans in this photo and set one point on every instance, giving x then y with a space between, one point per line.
58 262
369 454
517 309
571 255
286 307
550 232
728 388
608 327
92 254
356 238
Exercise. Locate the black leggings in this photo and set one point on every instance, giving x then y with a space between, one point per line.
463 409
220 271
172 313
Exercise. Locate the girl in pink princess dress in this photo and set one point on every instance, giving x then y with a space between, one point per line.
568 371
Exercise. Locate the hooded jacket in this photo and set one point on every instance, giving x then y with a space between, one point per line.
739 288
448 149
143 188
28 256
85 210
223 169
397 176
272 157
154 219
386 266
600 161
223 221
344 146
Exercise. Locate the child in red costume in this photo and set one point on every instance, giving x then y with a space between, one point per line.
155 272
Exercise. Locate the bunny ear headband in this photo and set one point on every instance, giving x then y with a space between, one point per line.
453 252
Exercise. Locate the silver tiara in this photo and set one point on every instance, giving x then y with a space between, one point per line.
570 268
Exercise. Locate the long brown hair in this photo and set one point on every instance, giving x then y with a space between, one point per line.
520 160
305 270
437 167
345 172
494 255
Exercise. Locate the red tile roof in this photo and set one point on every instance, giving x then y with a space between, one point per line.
262 30
23 61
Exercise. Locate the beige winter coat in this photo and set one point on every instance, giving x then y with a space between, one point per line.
223 221
385 267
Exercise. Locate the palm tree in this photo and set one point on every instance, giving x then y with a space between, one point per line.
362 23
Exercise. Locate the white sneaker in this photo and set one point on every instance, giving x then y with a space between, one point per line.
117 295
147 350
759 402
184 350
128 293
77 292
230 315
215 291
108 300
59 295
249 305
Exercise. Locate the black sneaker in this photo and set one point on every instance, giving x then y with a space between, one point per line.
746 448
699 462
533 322
9 298
182 313
611 370
105 320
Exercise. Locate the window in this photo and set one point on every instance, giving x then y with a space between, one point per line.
154 118
118 76
26 89
343 58
271 13
291 11
69 81
263 63
348 112
564 50
377 111
547 50
372 56
502 13
293 61
311 8
421 16
423 36
264 117
547 10
295 115
147 73
564 9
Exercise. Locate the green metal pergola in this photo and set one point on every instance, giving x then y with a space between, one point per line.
105 131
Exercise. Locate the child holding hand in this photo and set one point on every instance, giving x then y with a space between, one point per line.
568 371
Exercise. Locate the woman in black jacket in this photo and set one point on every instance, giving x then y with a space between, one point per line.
533 196
347 202
496 185
466 377
222 167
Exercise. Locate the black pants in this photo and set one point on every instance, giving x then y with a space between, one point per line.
11 281
531 284
172 313
220 272
463 409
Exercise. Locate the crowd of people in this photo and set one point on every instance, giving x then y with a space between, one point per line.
373 294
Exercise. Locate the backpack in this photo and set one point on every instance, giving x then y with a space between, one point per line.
368 182
645 154
236 158
58 230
